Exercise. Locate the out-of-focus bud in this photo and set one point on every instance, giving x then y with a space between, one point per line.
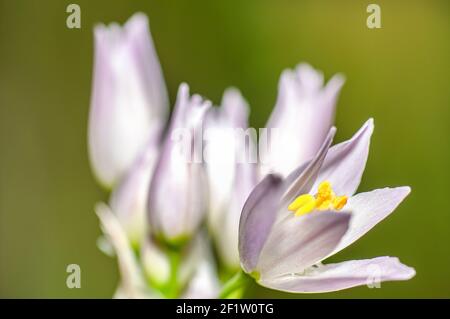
231 158
129 102
178 191
300 121
129 200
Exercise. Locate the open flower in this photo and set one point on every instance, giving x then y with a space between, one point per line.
290 225
177 199
303 114
231 172
129 98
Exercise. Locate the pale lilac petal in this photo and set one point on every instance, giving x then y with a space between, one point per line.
300 121
129 99
333 88
129 200
302 179
257 218
221 150
309 78
235 107
334 277
145 55
368 209
345 162
228 235
231 176
178 191
297 243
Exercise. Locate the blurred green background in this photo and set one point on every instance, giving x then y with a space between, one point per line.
397 74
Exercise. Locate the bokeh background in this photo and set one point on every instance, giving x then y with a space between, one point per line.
397 74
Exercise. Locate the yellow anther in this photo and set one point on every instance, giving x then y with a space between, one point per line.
339 202
324 191
325 199
303 204
324 205
324 196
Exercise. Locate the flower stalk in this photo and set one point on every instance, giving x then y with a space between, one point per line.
172 287
235 287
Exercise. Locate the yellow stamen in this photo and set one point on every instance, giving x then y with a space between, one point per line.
303 204
324 205
339 202
324 190
325 199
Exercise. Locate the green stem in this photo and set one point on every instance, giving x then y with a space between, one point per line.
172 284
235 287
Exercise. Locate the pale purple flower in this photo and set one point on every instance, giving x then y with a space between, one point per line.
129 199
178 196
231 173
303 114
129 102
283 238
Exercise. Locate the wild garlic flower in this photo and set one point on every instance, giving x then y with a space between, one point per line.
290 225
165 189
129 104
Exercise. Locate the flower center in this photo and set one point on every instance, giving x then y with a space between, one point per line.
325 199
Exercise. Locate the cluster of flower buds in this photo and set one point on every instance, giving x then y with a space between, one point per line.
191 224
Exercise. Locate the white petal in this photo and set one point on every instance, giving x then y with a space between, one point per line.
178 190
227 227
368 209
129 200
302 179
220 149
300 121
297 243
129 99
231 176
345 162
154 86
235 107
334 277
